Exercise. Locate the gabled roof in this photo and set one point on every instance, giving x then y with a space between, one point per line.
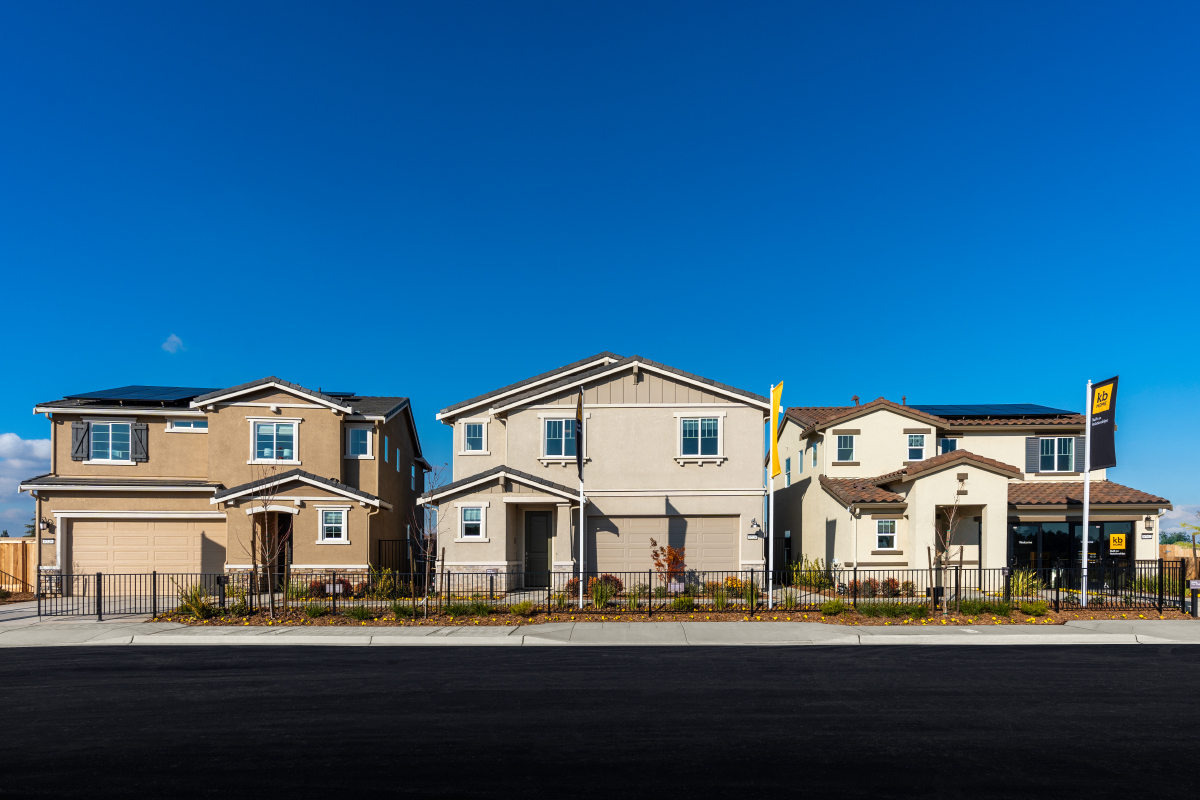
92 484
816 418
623 364
494 474
855 491
590 362
956 457
304 477
1034 493
272 382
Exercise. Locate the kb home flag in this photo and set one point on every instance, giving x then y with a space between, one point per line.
579 435
1102 424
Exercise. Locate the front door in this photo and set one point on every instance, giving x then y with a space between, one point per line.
537 548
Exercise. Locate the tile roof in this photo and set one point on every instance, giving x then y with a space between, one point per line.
510 387
958 455
858 490
1033 493
289 475
123 483
1071 419
524 477
812 417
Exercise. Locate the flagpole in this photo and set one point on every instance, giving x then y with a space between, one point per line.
1087 488
771 506
582 536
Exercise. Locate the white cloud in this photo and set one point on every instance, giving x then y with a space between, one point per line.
173 344
20 459
1185 513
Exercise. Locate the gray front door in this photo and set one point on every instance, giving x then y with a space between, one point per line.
537 547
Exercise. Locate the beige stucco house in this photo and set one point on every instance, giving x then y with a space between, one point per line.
166 478
865 485
668 455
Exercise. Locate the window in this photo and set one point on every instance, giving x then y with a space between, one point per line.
885 534
275 441
1058 454
385 449
472 523
845 448
560 437
474 436
948 445
814 456
110 441
397 459
412 478
700 437
333 525
787 472
916 447
358 442
188 425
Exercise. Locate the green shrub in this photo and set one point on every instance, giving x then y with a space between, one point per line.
603 590
315 610
790 599
562 601
403 609
193 601
975 608
475 608
812 574
361 613
1024 582
894 610
720 599
750 594
831 608
1037 608
295 590
5 594
685 603
523 608
660 591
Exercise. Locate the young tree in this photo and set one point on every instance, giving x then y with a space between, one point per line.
668 561
424 522
267 542
1192 531
945 524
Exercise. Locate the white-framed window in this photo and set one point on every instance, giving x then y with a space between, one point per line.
700 437
814 455
474 437
187 426
1058 454
787 472
916 447
274 441
359 441
472 522
558 438
845 448
110 442
333 524
948 445
885 534
385 449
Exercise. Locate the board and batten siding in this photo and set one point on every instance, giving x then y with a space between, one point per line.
648 388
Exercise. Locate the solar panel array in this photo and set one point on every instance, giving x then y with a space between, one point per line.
992 410
145 394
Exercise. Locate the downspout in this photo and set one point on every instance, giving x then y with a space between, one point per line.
854 517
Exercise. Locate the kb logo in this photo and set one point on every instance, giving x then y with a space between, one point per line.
1102 398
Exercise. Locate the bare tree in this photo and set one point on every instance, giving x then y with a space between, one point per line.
267 543
945 524
424 522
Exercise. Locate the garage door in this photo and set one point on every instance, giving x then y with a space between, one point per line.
143 545
622 544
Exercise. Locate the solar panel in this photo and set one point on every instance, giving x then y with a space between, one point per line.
338 394
992 410
148 394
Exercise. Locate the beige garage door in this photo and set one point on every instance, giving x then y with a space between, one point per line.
143 545
622 544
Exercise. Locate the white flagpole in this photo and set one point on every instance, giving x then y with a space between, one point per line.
771 505
1087 489
582 537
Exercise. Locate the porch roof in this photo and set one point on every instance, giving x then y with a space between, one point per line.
303 477
944 460
854 491
1034 493
496 473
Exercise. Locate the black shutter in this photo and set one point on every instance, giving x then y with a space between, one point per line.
139 441
1079 455
80 441
1033 455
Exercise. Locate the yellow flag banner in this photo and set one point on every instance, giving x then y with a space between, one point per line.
776 401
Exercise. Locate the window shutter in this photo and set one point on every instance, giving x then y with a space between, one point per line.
1079 455
1033 454
80 443
139 438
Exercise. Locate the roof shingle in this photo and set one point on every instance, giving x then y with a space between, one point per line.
858 490
1034 493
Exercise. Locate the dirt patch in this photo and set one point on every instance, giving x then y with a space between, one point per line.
18 597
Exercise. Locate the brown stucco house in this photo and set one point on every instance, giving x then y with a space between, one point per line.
149 478
668 455
866 485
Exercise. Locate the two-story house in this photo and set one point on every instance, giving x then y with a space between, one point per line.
171 479
668 456
868 485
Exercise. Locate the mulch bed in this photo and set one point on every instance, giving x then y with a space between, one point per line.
295 617
18 597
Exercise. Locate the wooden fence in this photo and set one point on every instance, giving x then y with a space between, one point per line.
18 563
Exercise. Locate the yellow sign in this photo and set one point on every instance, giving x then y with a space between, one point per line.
1101 398
776 400
1116 541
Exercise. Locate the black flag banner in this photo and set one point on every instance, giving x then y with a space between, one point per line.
579 435
1102 422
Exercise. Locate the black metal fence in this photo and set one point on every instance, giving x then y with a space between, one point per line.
1142 585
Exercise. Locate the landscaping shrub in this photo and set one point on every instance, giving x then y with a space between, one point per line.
315 610
604 588
296 590
5 594
319 588
868 587
831 608
660 591
1024 582
685 603
750 594
403 609
361 613
193 601
475 608
908 589
975 608
889 588
790 599
562 601
734 584
1037 608
894 610
812 574
523 608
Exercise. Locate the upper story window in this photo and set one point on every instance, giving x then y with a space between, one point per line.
885 534
948 445
560 438
358 442
274 441
916 447
814 455
412 478
700 437
187 425
845 448
385 449
787 472
474 437
110 441
1057 454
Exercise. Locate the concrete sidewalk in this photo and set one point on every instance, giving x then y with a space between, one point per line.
28 632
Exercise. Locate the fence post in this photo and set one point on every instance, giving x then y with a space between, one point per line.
1057 588
333 593
99 597
1160 586
1008 584
649 594
287 584
153 594
1182 581
854 585
221 592
957 589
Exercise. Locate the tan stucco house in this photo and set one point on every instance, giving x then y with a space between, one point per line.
668 455
166 478
865 485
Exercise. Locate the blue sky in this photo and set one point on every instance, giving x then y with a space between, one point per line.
954 202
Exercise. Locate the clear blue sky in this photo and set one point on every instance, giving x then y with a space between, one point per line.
957 202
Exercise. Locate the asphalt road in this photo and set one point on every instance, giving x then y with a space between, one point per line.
617 723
